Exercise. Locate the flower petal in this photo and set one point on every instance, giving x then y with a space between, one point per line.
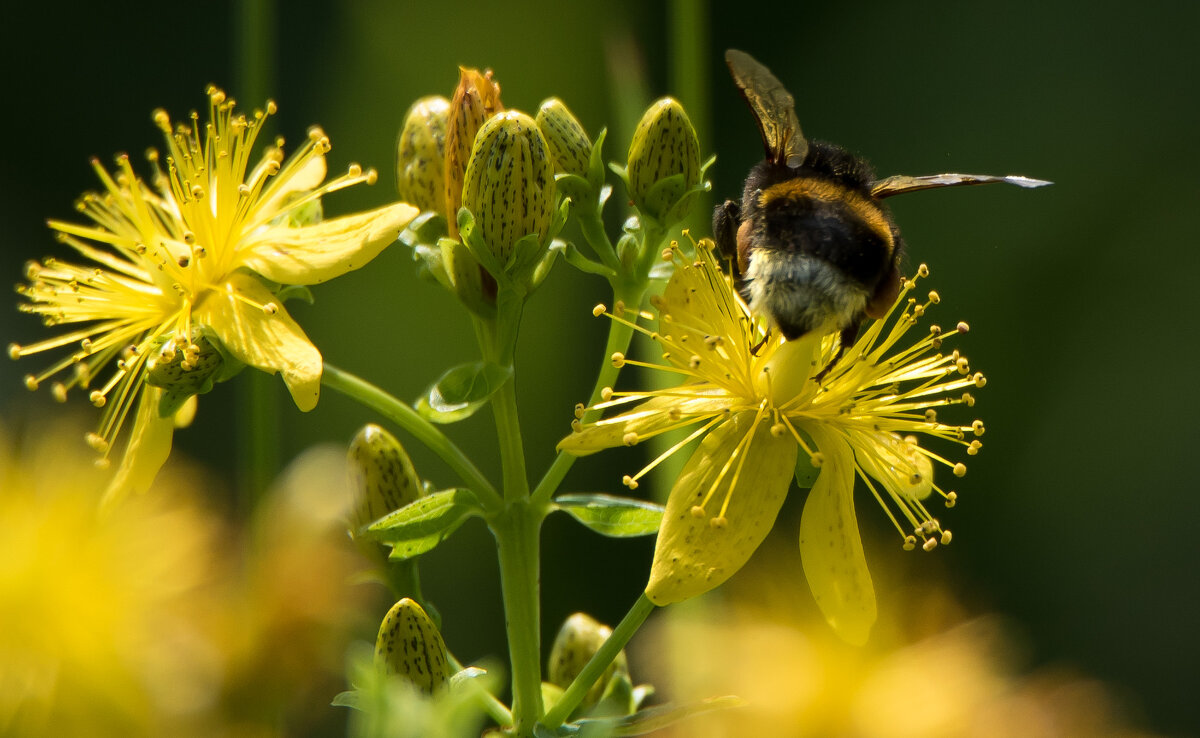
830 547
316 253
692 555
148 449
273 343
647 419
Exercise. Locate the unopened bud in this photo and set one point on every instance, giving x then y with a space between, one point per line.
421 154
664 145
383 475
476 99
579 638
566 138
409 645
509 185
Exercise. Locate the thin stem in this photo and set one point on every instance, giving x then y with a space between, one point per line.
593 232
619 337
495 709
599 662
518 543
404 416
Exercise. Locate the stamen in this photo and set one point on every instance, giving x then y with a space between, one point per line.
599 310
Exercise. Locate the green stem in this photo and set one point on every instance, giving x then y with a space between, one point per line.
592 226
404 416
496 709
619 337
599 662
517 533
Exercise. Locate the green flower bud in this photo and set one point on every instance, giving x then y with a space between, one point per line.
421 154
664 158
509 185
409 645
577 641
476 99
566 138
383 475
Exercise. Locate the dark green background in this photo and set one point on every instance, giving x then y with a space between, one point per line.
1080 517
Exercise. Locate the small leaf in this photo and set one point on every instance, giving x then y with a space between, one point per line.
461 391
656 718
419 527
351 698
613 516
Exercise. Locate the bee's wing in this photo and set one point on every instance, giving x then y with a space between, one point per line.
902 183
773 107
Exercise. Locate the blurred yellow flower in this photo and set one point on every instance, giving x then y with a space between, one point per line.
189 258
756 401
99 625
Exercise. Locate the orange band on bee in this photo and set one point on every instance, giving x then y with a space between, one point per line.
858 205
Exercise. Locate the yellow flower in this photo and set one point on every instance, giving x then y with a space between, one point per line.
190 256
758 401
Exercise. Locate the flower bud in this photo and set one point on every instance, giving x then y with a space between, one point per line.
383 476
476 99
421 154
409 645
664 145
566 138
579 638
509 185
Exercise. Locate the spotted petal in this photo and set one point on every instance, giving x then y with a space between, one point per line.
830 547
316 253
273 343
692 555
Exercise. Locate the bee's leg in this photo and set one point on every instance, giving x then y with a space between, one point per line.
847 340
766 337
725 222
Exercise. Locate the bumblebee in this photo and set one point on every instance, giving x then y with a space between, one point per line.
812 244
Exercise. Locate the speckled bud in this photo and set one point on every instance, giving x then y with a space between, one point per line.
664 145
509 186
566 138
421 154
383 475
577 641
409 645
476 99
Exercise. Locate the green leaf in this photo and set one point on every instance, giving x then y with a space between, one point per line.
609 515
422 525
461 391
351 699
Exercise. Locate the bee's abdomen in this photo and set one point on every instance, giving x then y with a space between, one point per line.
830 222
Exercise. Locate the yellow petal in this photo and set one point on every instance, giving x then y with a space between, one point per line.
292 180
148 449
830 547
691 555
316 253
903 470
273 343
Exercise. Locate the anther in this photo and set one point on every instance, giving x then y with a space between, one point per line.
964 367
979 379
930 544
973 448
910 543
606 394
372 177
102 463
951 499
968 399
97 442
934 297
923 271
935 330
977 427
618 359
579 408
183 261
619 307
631 438
598 310
31 382
817 459
270 308
718 523
694 362
97 398
576 426
355 170
58 391
629 482
667 255
778 430
697 511
946 538
960 469
14 351
931 416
